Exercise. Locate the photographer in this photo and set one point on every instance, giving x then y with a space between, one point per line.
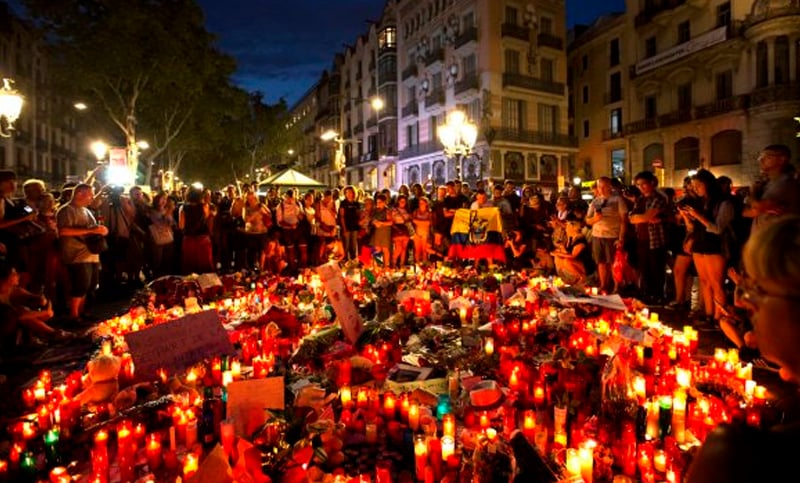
16 220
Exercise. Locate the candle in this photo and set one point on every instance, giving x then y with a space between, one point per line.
153 451
660 461
420 455
371 432
651 431
216 371
449 425
51 450
573 462
683 377
346 396
560 438
586 456
29 397
749 387
180 426
448 447
191 432
227 435
189 465
488 346
538 394
463 315
59 474
236 369
679 416
435 457
759 395
413 416
389 405
126 449
227 378
529 423
39 392
362 398
640 388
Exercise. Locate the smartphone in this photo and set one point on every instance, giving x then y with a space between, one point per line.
28 209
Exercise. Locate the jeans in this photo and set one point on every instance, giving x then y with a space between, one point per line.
350 242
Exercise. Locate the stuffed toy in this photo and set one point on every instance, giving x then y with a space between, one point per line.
101 384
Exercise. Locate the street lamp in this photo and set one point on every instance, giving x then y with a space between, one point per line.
99 149
458 136
10 106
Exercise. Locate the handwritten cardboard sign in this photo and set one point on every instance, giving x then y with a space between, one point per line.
248 399
178 344
341 300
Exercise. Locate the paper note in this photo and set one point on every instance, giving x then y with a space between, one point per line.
247 401
341 300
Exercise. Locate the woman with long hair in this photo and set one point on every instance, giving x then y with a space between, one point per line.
401 234
708 224
162 234
327 232
422 218
194 220
257 221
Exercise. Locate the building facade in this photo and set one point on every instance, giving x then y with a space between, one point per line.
709 83
47 142
502 62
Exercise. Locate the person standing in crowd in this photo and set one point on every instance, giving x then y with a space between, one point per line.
194 220
709 223
422 219
327 230
510 193
740 452
349 224
608 217
162 233
289 214
481 201
76 222
649 216
507 213
382 229
779 191
224 228
679 244
401 232
14 218
257 221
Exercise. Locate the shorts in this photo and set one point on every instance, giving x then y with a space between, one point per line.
82 278
603 249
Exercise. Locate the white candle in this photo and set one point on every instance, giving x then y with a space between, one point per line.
448 447
573 462
586 456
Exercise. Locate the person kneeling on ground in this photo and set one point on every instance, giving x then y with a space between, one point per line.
573 260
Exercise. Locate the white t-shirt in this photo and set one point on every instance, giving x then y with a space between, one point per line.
613 210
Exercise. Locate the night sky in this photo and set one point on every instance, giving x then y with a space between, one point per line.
282 46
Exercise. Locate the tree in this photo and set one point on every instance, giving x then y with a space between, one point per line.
150 65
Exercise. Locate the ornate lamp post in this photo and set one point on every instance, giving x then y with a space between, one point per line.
10 106
458 136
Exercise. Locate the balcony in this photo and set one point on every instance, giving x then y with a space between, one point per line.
387 49
721 106
435 97
469 81
674 117
469 34
550 40
372 122
532 83
411 109
640 125
609 134
515 31
656 7
358 129
536 137
410 71
778 93
420 149
436 55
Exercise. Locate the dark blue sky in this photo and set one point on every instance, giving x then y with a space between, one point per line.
282 46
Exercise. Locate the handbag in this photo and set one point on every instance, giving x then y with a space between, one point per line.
96 244
162 234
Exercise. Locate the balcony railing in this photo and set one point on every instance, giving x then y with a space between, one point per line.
515 31
536 137
469 81
721 106
646 15
640 125
612 97
411 109
550 40
609 134
410 71
674 117
778 93
532 83
436 55
435 97
420 149
469 34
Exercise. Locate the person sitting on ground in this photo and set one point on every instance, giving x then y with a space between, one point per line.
23 313
574 262
771 292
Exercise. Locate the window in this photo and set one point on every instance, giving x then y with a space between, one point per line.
469 64
432 128
513 114
585 128
512 61
618 163
615 87
585 62
650 47
436 81
686 153
684 32
650 111
615 121
548 118
724 14
546 69
762 64
412 134
653 152
387 39
724 83
546 25
613 53
726 148
781 59
685 96
585 94
468 21
511 15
